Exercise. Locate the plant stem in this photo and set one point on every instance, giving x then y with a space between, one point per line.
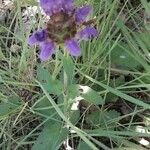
66 142
65 89
65 94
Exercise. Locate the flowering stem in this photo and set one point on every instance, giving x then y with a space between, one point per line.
65 89
66 142
65 93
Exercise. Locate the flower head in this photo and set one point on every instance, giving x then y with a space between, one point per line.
67 24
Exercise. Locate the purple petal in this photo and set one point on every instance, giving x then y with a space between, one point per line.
82 13
51 6
47 49
57 6
73 47
68 5
38 37
47 6
88 33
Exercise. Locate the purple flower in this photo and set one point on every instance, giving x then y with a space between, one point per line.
73 47
88 33
67 24
82 13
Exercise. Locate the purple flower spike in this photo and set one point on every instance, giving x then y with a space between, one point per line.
82 13
88 33
65 20
47 49
37 37
73 47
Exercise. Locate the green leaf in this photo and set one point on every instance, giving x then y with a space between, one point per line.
123 58
73 91
69 69
11 106
103 117
44 107
51 137
92 96
74 116
53 86
110 97
145 38
83 146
